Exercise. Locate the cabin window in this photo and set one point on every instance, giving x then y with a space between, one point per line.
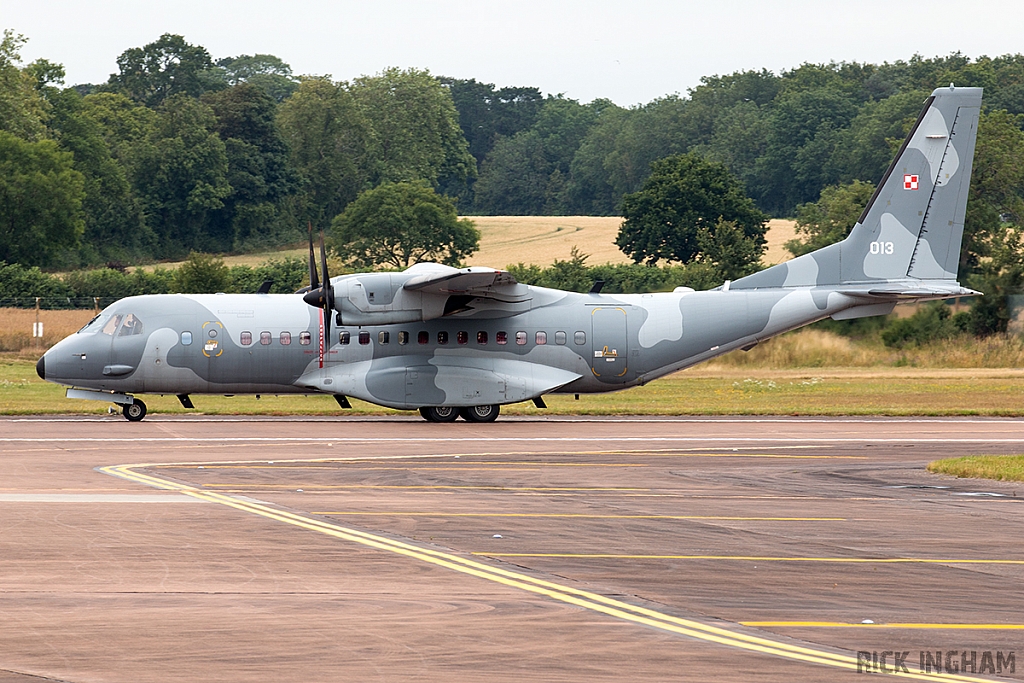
559 337
580 338
383 337
481 337
344 337
403 337
186 338
264 338
285 338
462 337
542 338
132 326
442 338
112 325
304 338
423 337
245 339
521 338
501 338
364 337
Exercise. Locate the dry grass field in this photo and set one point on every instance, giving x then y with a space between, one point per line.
16 327
540 240
780 231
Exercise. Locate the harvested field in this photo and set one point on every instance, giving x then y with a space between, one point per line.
780 231
540 240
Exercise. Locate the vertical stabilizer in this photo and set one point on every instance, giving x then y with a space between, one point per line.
914 223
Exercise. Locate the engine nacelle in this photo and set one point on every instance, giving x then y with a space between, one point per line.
379 299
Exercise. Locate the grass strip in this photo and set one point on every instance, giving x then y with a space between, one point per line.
725 391
998 467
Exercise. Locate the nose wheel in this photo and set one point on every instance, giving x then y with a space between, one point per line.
134 411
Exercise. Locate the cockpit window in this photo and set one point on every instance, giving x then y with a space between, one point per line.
92 325
112 325
131 327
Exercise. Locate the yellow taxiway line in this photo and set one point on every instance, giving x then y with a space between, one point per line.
559 592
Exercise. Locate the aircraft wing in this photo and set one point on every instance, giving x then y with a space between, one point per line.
474 281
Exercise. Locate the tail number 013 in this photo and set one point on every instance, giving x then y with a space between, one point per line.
881 248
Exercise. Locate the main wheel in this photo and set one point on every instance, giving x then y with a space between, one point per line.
440 414
480 413
134 411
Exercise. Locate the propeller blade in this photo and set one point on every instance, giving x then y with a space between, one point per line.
327 300
314 282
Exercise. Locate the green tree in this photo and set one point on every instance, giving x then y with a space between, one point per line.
267 72
259 171
726 247
487 113
114 225
163 68
997 186
40 202
23 110
399 224
181 173
831 218
202 274
684 194
802 134
528 173
416 134
329 139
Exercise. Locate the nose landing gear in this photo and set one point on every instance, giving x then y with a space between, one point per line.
134 411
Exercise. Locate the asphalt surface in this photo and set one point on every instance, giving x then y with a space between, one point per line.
203 549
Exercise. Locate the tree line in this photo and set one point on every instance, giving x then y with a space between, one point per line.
178 152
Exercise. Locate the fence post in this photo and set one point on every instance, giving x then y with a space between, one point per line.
96 304
37 329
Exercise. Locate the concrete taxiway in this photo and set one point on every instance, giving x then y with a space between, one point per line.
566 549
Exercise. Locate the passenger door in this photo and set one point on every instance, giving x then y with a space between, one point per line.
609 342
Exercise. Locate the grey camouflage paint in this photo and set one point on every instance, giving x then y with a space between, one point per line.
905 247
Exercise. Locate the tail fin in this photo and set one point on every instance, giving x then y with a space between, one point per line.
914 223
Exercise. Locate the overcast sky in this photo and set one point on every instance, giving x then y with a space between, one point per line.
628 51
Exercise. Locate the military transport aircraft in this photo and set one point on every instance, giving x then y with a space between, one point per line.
462 342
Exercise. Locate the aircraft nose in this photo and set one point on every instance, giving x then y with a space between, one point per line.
41 366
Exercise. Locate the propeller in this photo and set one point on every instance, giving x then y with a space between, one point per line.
320 295
314 283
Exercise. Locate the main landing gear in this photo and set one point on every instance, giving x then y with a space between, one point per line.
472 414
134 411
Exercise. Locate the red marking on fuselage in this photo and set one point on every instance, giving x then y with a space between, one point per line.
321 338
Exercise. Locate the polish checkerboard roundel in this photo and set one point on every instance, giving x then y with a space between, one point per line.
909 182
